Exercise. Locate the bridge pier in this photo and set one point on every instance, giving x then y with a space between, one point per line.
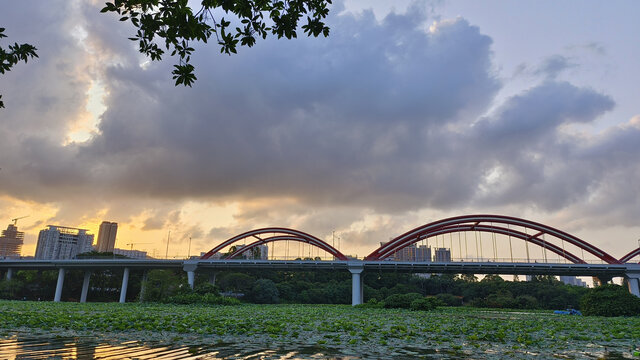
59 284
356 283
125 283
633 281
9 273
190 267
85 286
143 286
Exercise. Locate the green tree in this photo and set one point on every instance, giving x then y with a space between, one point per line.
264 291
173 24
610 300
13 55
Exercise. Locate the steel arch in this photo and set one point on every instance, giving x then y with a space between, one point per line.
630 255
293 233
473 222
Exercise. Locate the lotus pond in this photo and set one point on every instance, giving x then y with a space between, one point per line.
323 331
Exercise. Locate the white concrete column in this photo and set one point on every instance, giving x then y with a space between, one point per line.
143 285
191 278
212 278
9 273
190 267
356 284
85 286
59 285
634 284
125 283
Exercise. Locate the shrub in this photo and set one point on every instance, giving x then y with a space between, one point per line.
264 291
425 304
610 300
401 300
209 299
371 304
449 300
526 302
206 288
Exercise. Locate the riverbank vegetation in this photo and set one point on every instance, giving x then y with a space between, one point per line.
324 287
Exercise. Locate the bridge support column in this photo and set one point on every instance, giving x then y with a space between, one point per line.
85 286
356 283
125 283
190 267
212 278
634 284
191 278
59 284
9 273
143 286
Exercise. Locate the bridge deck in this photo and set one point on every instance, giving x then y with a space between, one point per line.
302 265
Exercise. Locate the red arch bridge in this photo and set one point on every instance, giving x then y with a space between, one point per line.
575 257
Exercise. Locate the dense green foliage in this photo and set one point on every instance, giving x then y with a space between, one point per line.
13 55
610 300
173 25
401 301
321 287
369 333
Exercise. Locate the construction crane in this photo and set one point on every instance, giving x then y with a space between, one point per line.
135 244
15 221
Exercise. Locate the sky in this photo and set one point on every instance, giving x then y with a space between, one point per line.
406 114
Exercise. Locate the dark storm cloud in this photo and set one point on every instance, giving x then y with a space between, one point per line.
352 118
381 115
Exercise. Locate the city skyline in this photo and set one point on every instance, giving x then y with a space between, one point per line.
395 120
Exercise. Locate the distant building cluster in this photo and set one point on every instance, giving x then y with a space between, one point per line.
63 242
421 253
11 242
134 254
572 280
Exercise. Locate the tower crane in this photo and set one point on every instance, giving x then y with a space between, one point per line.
135 244
15 221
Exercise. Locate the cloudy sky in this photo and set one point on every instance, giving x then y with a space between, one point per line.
402 116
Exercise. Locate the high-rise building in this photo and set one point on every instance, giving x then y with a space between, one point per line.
442 255
107 236
11 242
61 242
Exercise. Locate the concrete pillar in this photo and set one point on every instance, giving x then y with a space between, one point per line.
356 284
9 273
633 281
85 286
212 278
190 267
125 283
59 285
191 278
143 286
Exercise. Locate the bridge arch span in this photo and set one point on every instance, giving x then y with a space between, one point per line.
486 223
629 256
285 234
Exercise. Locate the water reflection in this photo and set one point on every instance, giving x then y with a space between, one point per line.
25 346
18 347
